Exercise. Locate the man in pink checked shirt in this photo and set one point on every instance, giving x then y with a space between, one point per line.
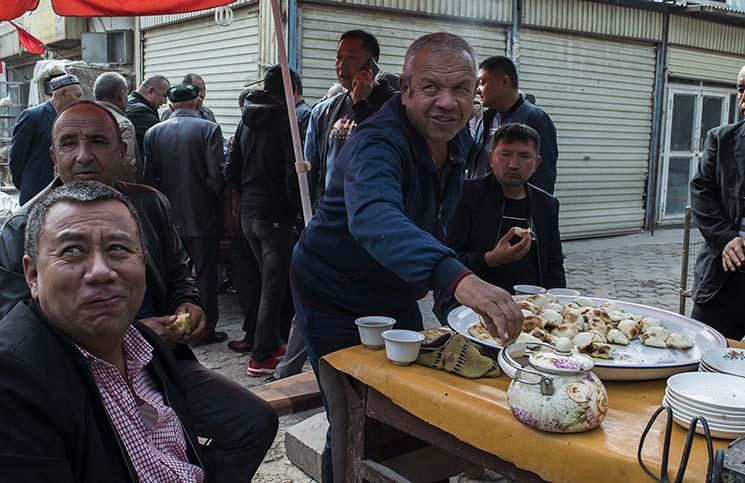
85 394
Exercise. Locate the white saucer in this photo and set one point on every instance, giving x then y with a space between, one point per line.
725 360
721 420
716 391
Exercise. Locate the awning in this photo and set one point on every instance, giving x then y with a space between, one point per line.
12 9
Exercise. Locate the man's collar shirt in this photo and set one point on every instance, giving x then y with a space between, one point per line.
149 430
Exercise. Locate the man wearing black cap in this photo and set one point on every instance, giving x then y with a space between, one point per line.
30 165
184 160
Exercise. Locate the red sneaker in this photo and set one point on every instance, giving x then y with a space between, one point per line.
280 352
261 368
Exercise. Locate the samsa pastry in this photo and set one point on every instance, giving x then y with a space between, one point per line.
680 341
525 305
552 318
572 305
533 321
598 325
615 336
648 322
653 341
583 339
539 333
598 337
584 302
527 313
565 330
480 332
629 328
659 332
597 314
611 306
573 316
600 351
539 299
617 316
553 306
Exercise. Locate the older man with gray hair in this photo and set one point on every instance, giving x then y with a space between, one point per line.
375 245
110 90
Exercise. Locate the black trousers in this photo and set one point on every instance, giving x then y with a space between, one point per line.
271 243
204 255
246 281
240 425
724 311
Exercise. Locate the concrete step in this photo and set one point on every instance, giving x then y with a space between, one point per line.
292 394
304 444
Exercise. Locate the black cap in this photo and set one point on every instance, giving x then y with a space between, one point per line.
63 81
182 93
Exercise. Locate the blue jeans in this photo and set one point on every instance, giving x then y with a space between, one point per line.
325 333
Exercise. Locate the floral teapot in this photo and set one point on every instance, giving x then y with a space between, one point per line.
558 393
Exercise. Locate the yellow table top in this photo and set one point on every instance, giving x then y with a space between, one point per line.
476 412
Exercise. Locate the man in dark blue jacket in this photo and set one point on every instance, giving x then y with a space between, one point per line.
30 165
374 244
498 88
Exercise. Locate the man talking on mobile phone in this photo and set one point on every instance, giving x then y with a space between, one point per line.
333 120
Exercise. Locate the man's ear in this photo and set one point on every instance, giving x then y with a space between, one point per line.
32 275
538 161
405 88
53 155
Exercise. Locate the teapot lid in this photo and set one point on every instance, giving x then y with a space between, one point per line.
563 361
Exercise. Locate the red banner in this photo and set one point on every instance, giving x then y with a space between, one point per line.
12 9
131 8
28 41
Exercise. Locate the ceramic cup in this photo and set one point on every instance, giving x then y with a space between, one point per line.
564 292
528 289
402 346
372 328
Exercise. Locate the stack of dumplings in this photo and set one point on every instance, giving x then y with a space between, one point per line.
593 330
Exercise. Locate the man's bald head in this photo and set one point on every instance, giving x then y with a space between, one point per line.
87 144
741 90
91 109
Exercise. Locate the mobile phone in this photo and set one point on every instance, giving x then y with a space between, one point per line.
372 66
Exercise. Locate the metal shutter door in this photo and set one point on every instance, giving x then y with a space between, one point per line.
705 66
599 94
224 56
322 26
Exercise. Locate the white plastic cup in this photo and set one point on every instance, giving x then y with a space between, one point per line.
528 289
371 330
402 346
564 292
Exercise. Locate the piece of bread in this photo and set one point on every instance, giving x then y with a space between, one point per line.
181 323
522 232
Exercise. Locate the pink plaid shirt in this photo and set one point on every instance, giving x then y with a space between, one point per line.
149 429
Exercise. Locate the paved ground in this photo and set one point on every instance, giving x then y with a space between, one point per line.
638 268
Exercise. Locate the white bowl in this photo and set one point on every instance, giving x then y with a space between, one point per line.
528 289
564 292
402 346
371 330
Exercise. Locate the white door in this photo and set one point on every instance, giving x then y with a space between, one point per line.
692 112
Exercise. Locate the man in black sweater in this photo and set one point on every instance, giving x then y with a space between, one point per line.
262 163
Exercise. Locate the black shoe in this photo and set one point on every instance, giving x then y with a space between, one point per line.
214 338
242 346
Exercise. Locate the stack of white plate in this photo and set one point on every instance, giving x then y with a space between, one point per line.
720 398
724 361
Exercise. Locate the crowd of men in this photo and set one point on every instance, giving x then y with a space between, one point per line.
124 211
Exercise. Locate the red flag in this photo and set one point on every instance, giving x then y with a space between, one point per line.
29 42
10 9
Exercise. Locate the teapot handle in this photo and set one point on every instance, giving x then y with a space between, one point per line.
515 370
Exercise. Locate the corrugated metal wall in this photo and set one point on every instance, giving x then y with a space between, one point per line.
157 20
593 17
704 66
222 55
693 32
599 94
322 25
492 10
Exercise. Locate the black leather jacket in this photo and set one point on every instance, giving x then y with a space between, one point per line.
53 424
167 260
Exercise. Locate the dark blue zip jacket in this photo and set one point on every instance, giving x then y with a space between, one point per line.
374 243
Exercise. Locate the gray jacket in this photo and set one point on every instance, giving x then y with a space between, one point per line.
184 160
718 204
